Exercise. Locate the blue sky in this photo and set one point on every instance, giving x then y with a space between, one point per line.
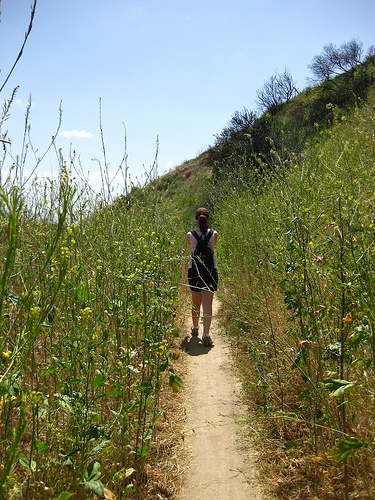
172 69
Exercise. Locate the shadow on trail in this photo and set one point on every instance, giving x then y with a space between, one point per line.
194 347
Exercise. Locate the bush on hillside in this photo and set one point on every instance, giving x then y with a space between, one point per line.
276 90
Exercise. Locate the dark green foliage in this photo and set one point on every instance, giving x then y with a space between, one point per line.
240 121
249 154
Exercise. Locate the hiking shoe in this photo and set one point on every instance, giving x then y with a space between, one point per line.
194 331
207 340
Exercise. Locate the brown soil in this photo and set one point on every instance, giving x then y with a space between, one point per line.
220 465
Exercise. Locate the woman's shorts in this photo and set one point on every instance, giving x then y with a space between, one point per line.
206 280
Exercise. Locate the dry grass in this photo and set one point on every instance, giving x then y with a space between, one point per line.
282 440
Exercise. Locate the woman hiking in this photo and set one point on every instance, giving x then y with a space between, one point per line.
202 273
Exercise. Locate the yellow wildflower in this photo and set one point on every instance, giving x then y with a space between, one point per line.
65 252
87 311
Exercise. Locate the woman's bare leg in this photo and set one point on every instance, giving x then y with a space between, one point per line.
195 311
207 298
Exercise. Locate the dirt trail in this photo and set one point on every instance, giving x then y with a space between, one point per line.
220 466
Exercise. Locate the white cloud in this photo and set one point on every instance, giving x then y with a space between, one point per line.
95 176
113 177
76 133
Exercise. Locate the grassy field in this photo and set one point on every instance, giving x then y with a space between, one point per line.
297 257
89 295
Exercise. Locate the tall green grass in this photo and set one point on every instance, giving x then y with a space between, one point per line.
89 293
297 257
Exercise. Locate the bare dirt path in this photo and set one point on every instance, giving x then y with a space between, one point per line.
220 463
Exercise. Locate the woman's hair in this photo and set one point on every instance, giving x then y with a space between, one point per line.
201 216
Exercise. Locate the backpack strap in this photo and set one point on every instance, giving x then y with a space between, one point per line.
199 238
209 234
196 235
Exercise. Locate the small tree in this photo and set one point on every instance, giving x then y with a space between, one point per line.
277 90
336 60
241 120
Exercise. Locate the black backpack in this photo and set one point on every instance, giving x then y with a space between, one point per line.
203 256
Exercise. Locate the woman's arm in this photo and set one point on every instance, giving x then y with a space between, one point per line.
215 237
